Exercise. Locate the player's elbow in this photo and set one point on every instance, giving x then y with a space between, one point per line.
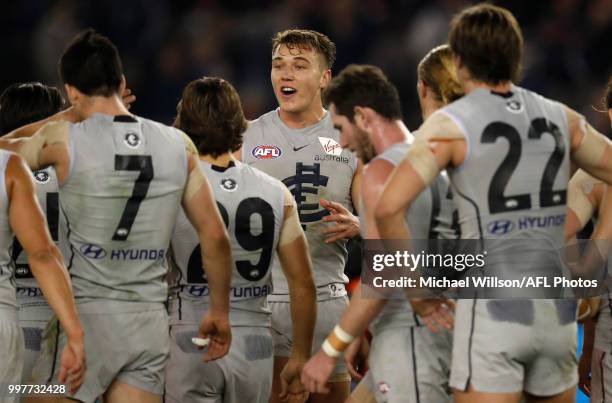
216 239
43 256
384 214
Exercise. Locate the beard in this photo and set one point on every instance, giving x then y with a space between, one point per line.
366 151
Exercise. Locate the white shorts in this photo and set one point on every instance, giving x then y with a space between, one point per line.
411 364
124 341
508 346
243 375
11 351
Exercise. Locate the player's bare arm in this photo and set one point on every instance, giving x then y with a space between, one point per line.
590 150
295 261
203 213
46 264
440 144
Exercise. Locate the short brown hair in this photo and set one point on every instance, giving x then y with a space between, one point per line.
489 42
366 86
438 72
210 113
306 39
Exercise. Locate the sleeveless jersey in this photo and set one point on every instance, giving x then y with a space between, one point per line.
430 216
7 275
513 182
311 163
29 293
252 206
120 202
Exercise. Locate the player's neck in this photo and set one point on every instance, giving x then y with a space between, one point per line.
302 119
388 133
222 160
472 85
106 105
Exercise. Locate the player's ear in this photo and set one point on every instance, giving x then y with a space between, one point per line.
325 78
122 85
72 93
362 118
421 89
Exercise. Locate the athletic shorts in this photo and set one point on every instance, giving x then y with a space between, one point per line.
126 341
11 351
33 321
509 346
329 313
411 364
601 376
243 375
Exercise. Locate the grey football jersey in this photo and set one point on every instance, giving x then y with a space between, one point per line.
431 215
28 291
513 181
120 203
7 275
311 163
252 206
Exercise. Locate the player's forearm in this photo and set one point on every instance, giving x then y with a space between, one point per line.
55 284
303 316
588 340
391 224
360 313
217 259
29 130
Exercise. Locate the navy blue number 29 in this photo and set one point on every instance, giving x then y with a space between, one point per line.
264 241
144 164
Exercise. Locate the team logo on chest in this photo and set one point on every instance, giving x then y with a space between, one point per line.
131 139
304 175
267 152
228 184
42 176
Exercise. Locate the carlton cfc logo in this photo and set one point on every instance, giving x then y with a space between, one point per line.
266 152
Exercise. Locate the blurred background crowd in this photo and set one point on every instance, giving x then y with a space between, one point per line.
165 44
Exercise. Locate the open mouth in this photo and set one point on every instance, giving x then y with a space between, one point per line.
288 90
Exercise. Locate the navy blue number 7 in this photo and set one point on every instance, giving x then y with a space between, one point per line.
144 164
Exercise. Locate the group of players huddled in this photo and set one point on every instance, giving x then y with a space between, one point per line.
204 262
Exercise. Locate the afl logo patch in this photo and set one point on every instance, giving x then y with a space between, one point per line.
266 152
228 184
131 139
514 106
42 176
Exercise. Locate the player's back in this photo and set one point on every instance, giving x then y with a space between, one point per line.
513 181
251 204
8 301
120 202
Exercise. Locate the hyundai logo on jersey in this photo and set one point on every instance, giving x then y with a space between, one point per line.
266 152
93 251
500 227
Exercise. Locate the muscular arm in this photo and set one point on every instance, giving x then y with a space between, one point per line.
356 185
44 258
68 115
295 261
440 144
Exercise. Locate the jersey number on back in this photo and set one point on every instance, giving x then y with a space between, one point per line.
144 164
498 203
262 241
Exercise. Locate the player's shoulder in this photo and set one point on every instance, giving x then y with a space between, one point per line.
264 120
